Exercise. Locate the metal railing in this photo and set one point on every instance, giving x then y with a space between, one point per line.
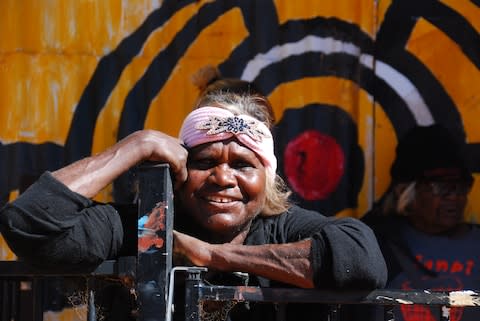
18 289
151 268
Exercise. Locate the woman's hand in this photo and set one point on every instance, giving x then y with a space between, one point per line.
160 147
90 175
197 252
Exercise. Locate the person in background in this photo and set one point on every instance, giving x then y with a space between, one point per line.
232 213
420 224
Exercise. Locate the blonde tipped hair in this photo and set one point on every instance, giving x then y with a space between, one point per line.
277 196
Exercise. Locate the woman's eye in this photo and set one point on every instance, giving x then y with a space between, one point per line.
241 164
202 163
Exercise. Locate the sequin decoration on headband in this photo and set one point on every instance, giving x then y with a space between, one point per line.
235 125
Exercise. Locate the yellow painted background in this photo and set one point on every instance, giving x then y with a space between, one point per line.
49 50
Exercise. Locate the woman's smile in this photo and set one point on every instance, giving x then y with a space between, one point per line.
225 188
220 199
221 204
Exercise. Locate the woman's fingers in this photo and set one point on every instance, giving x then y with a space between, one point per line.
164 148
197 251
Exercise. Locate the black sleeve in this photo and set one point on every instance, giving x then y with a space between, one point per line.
345 252
56 229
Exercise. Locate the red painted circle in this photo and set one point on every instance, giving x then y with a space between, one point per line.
313 164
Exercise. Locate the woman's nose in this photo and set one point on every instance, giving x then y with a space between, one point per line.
223 175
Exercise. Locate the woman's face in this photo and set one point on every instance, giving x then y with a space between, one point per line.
225 188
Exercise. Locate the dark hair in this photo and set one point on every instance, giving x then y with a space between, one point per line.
426 148
209 81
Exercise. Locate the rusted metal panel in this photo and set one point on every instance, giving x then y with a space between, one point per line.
376 297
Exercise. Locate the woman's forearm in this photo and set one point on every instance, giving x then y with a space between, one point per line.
90 175
288 263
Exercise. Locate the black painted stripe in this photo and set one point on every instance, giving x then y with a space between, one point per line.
343 66
139 98
105 77
22 163
459 29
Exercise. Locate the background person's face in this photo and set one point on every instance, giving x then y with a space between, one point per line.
225 188
439 206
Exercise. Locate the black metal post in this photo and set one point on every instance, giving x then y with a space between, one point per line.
333 311
38 285
193 295
155 237
91 309
6 300
388 313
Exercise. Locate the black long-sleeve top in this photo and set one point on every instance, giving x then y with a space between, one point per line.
55 228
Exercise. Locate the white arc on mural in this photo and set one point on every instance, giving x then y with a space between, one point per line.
397 81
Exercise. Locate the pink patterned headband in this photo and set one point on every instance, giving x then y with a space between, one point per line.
212 124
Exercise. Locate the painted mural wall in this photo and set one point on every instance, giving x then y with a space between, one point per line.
346 79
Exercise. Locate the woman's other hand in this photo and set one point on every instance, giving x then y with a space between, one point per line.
195 251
